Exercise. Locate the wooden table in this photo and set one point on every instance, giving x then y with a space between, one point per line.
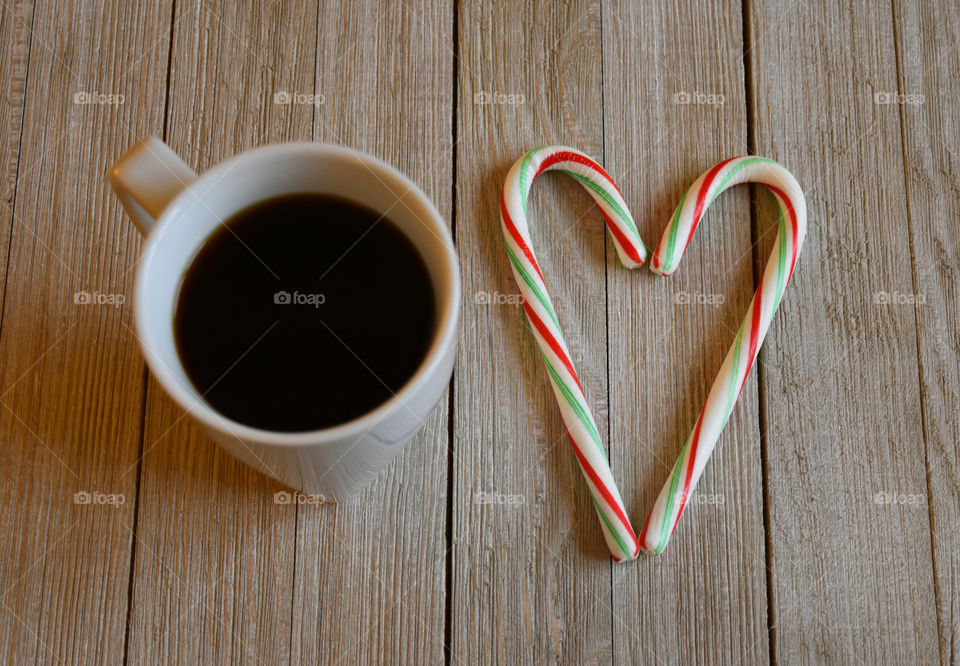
829 529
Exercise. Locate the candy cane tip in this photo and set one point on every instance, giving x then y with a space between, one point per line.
662 271
656 550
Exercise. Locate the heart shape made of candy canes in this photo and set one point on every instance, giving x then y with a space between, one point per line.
623 542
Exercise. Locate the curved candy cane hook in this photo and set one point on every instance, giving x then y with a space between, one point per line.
743 352
574 408
618 533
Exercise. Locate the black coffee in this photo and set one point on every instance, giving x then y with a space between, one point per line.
303 312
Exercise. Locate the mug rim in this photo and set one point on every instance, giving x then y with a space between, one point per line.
196 406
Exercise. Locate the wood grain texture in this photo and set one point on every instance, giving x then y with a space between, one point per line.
852 579
825 529
213 578
674 106
928 91
70 374
531 574
370 584
15 32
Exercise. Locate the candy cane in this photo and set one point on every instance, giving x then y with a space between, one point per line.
622 541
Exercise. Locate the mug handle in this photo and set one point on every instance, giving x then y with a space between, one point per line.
146 178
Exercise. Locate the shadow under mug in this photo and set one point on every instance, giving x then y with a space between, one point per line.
177 211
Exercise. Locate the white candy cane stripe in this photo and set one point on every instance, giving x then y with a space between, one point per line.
619 534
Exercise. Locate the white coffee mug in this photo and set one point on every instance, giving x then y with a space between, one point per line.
177 211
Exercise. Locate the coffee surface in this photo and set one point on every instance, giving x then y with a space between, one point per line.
303 312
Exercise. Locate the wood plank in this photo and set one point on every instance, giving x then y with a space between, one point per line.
371 574
927 107
16 22
851 579
531 577
15 31
674 105
215 554
71 385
